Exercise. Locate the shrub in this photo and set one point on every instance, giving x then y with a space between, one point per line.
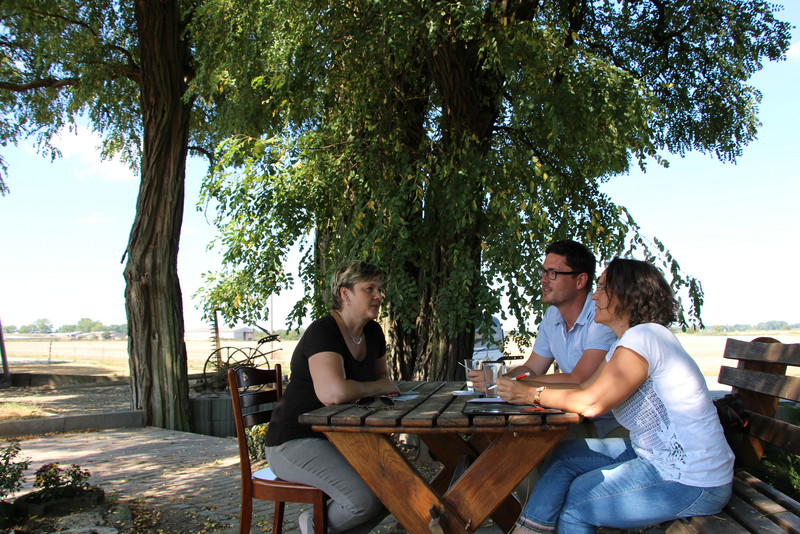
255 440
780 469
11 471
55 481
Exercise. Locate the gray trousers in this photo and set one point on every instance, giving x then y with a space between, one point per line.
315 461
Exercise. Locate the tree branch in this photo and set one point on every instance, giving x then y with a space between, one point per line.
203 152
50 83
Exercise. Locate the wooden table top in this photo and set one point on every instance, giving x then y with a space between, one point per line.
435 409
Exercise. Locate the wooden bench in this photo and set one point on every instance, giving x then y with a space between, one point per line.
760 379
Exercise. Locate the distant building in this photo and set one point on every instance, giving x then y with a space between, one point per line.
245 333
490 349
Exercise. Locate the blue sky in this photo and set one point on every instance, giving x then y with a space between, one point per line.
65 225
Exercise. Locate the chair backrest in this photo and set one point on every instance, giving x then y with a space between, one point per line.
254 393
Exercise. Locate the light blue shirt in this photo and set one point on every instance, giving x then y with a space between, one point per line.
566 347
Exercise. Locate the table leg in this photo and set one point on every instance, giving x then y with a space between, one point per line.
483 490
395 481
486 486
448 449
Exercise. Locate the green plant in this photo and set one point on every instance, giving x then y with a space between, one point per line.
255 440
10 470
55 481
780 469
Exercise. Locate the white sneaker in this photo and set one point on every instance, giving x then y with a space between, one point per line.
306 521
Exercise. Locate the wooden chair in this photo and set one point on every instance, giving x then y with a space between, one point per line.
252 389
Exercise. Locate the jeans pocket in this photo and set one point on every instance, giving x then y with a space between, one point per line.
710 501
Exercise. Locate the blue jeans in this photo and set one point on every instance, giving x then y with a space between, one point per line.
315 461
601 482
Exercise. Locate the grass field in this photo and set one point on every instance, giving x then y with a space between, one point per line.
111 357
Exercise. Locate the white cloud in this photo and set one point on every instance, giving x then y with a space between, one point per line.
84 145
794 50
96 218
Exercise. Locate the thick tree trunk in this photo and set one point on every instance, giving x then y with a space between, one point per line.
152 294
470 97
428 352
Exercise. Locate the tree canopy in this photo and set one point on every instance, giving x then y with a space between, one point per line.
450 141
125 68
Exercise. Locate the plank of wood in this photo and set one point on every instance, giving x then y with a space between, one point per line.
780 433
755 508
452 416
786 387
774 494
562 419
785 353
681 526
427 412
448 448
383 417
756 520
492 477
322 416
720 523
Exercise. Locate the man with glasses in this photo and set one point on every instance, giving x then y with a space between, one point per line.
568 334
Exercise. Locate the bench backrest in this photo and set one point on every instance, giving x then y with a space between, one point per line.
760 379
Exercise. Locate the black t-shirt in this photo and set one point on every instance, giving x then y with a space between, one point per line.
323 335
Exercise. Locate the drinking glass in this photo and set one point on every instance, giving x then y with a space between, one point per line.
491 372
471 365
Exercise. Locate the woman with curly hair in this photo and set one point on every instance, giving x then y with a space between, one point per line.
676 462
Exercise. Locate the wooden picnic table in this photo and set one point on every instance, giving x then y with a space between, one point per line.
499 450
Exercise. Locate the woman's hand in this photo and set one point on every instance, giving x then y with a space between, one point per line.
387 387
515 391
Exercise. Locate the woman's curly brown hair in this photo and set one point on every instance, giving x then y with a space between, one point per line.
640 290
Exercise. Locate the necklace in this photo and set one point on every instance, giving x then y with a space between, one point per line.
360 339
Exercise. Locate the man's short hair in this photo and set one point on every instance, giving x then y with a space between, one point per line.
578 256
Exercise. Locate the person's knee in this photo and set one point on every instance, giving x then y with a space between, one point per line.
372 508
566 451
366 506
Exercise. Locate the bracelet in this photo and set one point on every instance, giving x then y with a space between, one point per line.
538 393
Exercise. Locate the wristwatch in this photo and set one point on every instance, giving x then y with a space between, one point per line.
538 392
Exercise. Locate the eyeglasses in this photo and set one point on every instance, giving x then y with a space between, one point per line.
552 274
366 403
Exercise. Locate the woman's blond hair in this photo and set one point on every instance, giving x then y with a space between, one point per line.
349 275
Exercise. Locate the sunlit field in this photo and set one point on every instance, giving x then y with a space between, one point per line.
62 356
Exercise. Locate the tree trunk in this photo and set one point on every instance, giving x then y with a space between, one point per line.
470 97
153 301
428 352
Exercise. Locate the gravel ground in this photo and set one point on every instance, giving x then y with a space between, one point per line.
71 399
79 399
